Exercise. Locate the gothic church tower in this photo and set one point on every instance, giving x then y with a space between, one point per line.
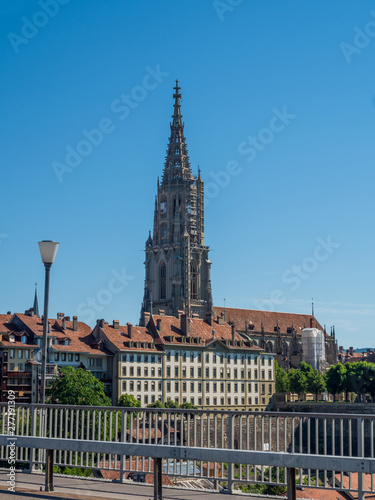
177 275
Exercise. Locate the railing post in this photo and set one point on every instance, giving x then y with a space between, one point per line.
291 483
49 471
360 453
230 447
32 433
158 484
123 427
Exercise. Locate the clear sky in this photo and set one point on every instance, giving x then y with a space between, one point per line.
278 105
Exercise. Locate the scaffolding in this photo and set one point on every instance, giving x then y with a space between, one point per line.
313 347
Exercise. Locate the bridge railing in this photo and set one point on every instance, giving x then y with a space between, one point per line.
334 435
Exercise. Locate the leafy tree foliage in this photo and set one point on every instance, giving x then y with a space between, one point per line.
315 382
170 404
157 404
77 387
188 406
128 401
335 379
281 378
298 382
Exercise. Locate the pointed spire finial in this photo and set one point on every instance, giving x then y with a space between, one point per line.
312 307
35 306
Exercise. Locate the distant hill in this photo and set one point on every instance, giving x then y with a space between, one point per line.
363 349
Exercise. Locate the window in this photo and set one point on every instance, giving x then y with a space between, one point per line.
176 356
159 359
146 372
199 357
146 386
207 387
200 401
23 339
132 371
242 360
63 358
242 373
11 353
269 388
236 401
207 373
168 371
193 281
184 387
248 373
70 357
131 358
228 387
214 387
262 360
222 387
229 401
207 358
20 354
192 357
153 399
138 371
235 373
263 374
123 358
242 401
235 387
192 372
56 356
168 355
235 359
131 386
99 362
221 358
242 387
152 359
199 372
176 371
199 386
207 401
21 367
124 371
256 387
222 401
139 387
192 386
214 373
255 374
263 401
184 356
163 274
184 372
77 357
176 386
152 372
146 400
163 206
159 386
249 400
215 401
146 358
11 366
256 401
249 387
139 358
159 372
269 360
270 374
124 386
27 354
192 401
168 387
163 238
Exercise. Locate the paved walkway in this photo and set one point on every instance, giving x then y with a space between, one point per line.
67 488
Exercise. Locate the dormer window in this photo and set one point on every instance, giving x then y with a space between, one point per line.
23 339
66 342
11 338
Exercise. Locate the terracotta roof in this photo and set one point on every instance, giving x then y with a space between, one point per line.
136 466
198 328
4 320
354 484
319 494
120 337
270 319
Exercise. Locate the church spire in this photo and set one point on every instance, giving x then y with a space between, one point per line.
177 165
35 307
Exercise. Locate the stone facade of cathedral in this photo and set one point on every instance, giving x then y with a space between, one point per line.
177 275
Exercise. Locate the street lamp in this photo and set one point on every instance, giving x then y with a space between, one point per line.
48 251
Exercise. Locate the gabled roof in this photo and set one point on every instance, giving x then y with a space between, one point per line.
269 319
121 340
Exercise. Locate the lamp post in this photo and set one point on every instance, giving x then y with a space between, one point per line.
48 251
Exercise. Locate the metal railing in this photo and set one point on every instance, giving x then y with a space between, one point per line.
269 434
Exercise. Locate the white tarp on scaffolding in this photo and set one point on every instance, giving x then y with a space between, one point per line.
313 347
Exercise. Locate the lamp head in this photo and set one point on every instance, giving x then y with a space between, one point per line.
48 250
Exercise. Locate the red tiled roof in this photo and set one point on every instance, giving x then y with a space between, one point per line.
269 319
367 480
120 337
4 320
136 466
198 328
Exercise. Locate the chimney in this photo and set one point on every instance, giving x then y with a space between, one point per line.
351 351
64 324
312 323
146 317
116 324
9 312
179 314
101 323
75 323
158 324
185 325
161 312
209 318
130 330
233 333
60 315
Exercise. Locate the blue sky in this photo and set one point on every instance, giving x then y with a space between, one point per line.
293 218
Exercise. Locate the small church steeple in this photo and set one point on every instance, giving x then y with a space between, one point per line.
35 306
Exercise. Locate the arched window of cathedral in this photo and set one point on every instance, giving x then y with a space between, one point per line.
269 346
163 234
163 281
193 281
163 206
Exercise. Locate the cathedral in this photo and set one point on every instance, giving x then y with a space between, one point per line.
177 265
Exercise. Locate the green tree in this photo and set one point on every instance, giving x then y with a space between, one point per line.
315 382
157 404
281 378
77 387
171 404
356 378
305 367
335 378
297 382
128 401
188 406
